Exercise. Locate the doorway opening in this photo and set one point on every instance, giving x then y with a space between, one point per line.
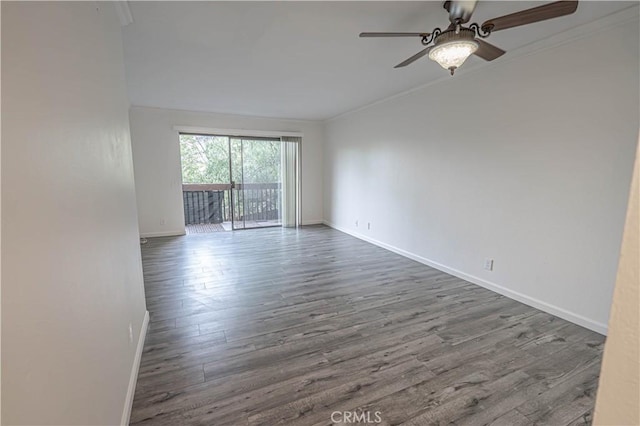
236 182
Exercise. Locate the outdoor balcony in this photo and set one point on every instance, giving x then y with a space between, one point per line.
222 207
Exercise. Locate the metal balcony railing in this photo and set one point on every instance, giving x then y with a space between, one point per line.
217 203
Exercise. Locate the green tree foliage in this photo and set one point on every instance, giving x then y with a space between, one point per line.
205 159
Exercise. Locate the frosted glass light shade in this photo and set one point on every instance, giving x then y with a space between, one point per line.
452 54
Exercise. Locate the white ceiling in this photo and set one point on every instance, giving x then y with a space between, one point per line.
298 59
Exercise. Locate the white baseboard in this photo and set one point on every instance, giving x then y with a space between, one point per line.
131 390
312 222
163 234
596 326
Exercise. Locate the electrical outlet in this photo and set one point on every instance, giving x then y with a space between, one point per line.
130 333
488 264
356 223
162 221
369 225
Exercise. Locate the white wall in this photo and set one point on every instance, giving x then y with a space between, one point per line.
71 276
158 175
527 161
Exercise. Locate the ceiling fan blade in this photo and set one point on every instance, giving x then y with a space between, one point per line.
529 16
394 34
414 58
460 10
488 51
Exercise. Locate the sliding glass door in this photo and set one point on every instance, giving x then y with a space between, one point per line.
237 182
255 167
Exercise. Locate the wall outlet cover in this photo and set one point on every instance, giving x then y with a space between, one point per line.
488 264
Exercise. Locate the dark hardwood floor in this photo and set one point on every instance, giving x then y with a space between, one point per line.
284 326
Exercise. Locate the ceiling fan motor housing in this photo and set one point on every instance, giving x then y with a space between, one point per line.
451 35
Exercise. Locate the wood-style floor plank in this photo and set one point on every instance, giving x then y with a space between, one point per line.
286 326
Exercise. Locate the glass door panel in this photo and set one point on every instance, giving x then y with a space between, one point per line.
255 165
205 182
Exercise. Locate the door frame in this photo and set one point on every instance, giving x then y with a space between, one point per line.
218 131
247 134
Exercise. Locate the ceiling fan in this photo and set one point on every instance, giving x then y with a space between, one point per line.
452 46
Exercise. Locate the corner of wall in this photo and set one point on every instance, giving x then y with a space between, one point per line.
133 378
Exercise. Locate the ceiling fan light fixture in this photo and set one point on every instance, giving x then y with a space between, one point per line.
452 54
456 43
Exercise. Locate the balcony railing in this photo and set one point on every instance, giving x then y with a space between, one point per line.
217 203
